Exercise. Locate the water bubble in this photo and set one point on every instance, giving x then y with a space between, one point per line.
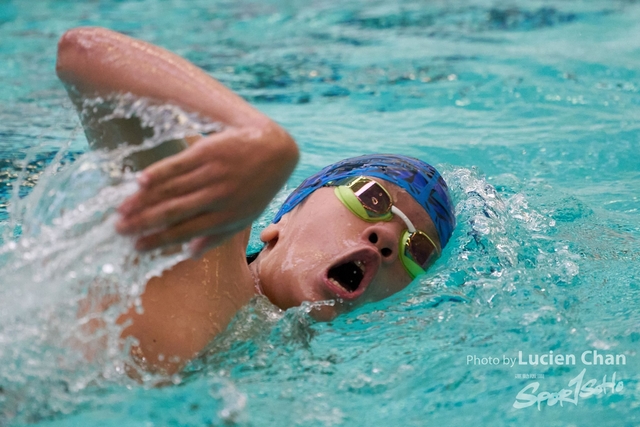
234 402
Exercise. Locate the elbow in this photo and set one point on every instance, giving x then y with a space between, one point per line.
294 152
286 148
74 51
278 149
69 46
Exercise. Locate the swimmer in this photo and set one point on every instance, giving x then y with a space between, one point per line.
356 232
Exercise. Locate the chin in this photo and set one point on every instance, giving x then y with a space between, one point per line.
320 313
306 292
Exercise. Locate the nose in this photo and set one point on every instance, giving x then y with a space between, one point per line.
385 239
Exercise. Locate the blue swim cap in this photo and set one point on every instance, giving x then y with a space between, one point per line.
421 180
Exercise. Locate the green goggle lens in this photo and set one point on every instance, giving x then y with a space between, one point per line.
359 207
372 196
412 267
418 248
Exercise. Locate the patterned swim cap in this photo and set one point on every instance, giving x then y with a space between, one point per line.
421 180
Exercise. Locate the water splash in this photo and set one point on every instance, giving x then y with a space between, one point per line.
161 122
68 277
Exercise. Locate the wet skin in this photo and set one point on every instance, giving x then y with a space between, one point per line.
322 233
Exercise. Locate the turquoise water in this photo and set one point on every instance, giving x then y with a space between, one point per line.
531 109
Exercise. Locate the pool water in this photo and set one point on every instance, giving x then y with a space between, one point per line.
530 109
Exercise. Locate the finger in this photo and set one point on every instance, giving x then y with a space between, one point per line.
184 232
178 164
179 186
169 212
170 167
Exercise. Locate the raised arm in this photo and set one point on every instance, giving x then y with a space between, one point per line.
222 182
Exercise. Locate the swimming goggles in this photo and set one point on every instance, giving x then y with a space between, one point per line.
370 201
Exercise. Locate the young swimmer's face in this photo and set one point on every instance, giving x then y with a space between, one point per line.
312 253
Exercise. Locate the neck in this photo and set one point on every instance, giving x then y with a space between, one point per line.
254 269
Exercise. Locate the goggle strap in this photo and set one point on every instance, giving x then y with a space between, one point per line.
405 218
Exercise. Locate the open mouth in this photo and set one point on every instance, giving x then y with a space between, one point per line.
348 275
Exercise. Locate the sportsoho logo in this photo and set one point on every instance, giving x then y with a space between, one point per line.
578 387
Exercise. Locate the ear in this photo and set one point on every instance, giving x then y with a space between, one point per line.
271 234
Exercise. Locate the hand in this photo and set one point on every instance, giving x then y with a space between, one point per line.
210 191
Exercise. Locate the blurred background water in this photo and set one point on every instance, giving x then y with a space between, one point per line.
531 110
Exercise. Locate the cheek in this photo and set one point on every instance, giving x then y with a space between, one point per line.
296 270
389 282
313 245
